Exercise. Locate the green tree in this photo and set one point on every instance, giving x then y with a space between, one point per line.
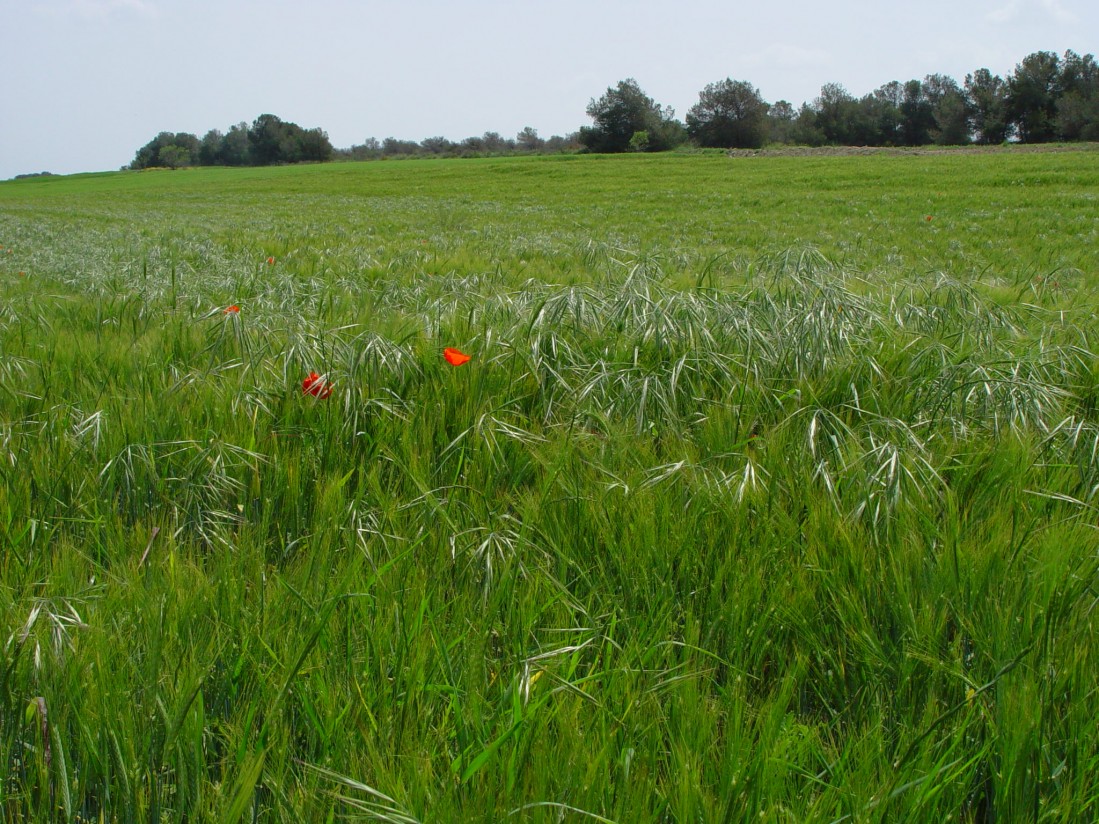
529 141
235 147
1078 105
1078 117
266 141
436 145
949 110
273 140
183 150
805 130
1032 94
1079 75
472 146
865 119
315 145
624 111
729 114
392 147
835 111
886 112
174 157
210 152
986 97
496 142
781 118
917 115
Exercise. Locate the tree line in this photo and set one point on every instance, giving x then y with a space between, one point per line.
268 141
489 143
273 141
1047 98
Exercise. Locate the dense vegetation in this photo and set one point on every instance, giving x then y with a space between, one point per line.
769 491
268 141
1047 98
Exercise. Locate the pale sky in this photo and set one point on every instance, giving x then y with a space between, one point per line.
85 83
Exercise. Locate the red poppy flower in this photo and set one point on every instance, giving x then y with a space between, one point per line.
455 357
231 310
316 386
271 261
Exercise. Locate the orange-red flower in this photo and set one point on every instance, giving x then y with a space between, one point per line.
271 261
316 386
928 218
455 357
231 310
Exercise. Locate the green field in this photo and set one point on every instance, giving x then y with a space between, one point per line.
770 491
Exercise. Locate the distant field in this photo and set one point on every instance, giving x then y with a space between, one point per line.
770 491
1011 216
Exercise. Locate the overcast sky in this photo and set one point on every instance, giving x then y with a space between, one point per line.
85 83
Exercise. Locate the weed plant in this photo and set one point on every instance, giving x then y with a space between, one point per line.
762 497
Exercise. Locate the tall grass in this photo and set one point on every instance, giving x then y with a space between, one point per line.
703 532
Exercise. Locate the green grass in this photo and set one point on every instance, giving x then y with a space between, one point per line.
762 498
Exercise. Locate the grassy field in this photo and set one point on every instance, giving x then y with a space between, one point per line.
770 491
